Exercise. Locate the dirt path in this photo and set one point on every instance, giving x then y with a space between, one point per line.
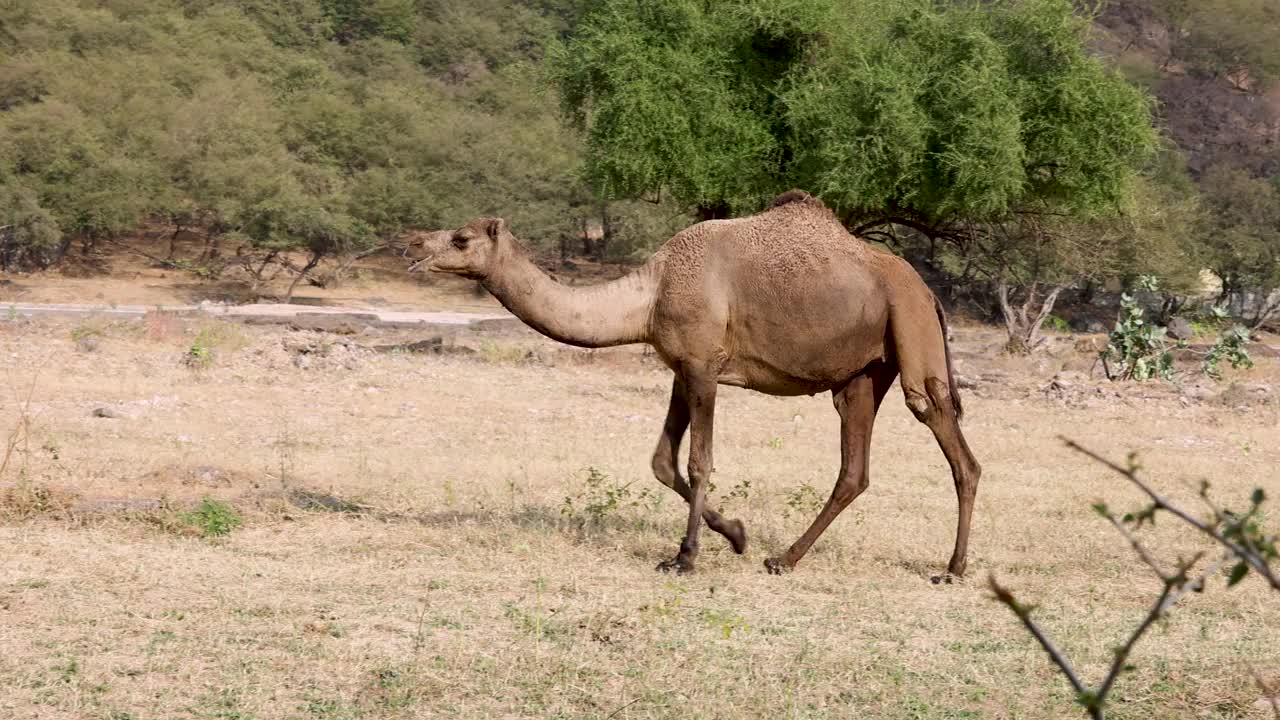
264 313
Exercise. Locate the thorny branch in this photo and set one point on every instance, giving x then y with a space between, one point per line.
1245 549
1241 538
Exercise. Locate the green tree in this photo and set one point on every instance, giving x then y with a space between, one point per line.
984 130
353 20
1243 239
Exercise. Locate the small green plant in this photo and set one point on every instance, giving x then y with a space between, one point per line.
1136 349
602 497
741 492
1231 346
776 442
726 622
212 518
1057 324
198 356
804 500
211 340
87 337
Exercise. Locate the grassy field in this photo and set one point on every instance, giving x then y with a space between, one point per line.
475 535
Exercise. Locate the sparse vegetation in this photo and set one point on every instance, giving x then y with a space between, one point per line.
1137 349
602 498
451 593
212 518
1247 547
803 501
1231 348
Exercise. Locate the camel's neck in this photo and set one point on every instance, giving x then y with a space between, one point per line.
613 313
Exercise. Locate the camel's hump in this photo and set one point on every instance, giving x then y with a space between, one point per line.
795 196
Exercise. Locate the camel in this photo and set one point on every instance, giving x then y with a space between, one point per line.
784 302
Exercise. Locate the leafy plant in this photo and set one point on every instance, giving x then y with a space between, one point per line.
726 621
198 357
212 518
1057 324
1247 547
740 492
603 497
1232 347
1136 349
804 500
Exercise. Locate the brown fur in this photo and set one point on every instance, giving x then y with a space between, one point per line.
785 302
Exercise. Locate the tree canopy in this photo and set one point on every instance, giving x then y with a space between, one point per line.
934 111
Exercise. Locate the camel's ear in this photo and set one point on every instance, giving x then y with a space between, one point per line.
496 226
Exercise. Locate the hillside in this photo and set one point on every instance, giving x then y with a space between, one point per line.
326 127
1217 93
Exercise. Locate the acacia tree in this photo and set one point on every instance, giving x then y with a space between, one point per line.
981 129
1243 237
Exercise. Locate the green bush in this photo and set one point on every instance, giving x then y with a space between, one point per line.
1136 349
212 518
1231 346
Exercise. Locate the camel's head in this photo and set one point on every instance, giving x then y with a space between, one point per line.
469 251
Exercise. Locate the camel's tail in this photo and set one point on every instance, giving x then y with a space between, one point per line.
951 375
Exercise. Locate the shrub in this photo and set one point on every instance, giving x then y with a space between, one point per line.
212 518
1137 349
1230 347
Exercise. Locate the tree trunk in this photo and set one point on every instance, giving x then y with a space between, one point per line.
1021 324
257 274
311 263
173 241
6 245
606 234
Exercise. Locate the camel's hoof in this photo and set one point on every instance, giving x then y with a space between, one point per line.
945 578
737 536
677 565
774 566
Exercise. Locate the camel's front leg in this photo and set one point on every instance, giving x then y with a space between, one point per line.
700 392
666 467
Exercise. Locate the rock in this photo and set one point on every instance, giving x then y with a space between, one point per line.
122 505
320 501
106 412
207 477
965 382
336 323
1198 392
1179 329
431 346
1085 324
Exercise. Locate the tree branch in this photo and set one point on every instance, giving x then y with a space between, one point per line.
1247 555
1023 612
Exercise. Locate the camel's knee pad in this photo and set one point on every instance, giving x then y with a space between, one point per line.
926 405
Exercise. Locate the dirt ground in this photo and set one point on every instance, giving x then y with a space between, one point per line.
471 531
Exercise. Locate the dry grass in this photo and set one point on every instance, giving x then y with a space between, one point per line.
405 554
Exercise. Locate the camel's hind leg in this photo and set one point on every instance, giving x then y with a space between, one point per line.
666 467
930 401
857 402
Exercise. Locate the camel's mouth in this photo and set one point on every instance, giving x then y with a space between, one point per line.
428 265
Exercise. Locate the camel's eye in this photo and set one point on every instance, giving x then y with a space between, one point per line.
460 241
